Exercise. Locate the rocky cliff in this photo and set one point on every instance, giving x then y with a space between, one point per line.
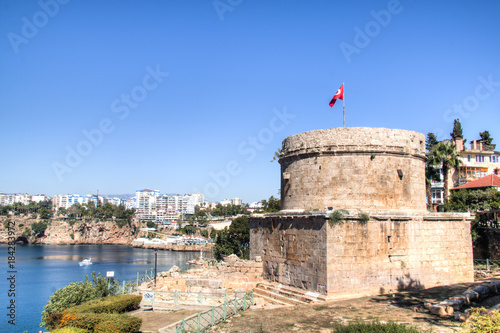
63 232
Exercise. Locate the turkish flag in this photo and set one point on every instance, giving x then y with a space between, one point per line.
338 95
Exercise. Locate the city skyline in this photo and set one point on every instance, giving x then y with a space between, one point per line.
197 97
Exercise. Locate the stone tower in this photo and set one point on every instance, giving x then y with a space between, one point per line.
354 168
353 217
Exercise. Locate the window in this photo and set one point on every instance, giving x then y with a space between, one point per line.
468 158
493 159
480 158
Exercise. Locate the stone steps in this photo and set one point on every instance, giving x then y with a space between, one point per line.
287 294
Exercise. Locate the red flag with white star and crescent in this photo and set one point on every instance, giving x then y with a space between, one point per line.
338 95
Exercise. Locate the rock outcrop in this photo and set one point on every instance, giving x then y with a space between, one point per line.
63 232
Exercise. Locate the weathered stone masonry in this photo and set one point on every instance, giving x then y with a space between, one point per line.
377 172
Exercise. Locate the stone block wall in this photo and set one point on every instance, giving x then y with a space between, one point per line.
293 249
387 253
208 276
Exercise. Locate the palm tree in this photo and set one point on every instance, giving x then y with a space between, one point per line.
432 172
445 154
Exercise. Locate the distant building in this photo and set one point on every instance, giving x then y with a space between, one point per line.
10 199
146 204
225 202
482 183
255 206
478 161
165 209
68 200
236 201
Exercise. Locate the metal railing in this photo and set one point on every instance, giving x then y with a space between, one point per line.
486 264
129 287
173 298
201 321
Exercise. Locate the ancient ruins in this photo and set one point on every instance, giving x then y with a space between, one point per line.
354 218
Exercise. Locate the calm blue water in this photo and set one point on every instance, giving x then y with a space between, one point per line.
42 269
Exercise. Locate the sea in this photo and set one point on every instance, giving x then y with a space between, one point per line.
32 273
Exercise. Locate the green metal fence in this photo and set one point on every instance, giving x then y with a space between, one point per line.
204 320
132 286
486 264
173 298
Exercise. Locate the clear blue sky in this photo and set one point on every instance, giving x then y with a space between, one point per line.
183 95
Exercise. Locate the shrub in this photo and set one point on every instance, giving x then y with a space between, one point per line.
364 217
337 216
69 329
26 233
483 320
102 322
375 327
39 227
119 323
110 304
74 294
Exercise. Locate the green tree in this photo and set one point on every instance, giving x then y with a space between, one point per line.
446 155
473 200
430 141
234 240
457 130
39 228
486 138
271 205
432 172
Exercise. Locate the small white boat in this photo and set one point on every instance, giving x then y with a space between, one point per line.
85 262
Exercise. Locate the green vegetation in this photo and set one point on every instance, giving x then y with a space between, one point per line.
26 233
271 205
375 327
465 200
90 210
101 322
39 228
483 320
486 139
430 141
337 216
69 329
364 217
444 154
150 224
457 130
234 240
75 294
42 208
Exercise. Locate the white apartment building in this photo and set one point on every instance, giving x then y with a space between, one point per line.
236 201
151 206
146 204
225 202
10 199
68 200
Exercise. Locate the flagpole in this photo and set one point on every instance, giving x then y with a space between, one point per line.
343 100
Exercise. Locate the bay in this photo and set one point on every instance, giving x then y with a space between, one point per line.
39 270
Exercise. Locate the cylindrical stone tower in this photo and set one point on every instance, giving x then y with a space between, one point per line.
370 169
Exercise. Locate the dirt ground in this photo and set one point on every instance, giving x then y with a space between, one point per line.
404 307
152 321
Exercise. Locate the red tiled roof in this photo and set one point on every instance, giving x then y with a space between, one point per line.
488 181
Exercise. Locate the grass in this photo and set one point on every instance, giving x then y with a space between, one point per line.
321 307
375 327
